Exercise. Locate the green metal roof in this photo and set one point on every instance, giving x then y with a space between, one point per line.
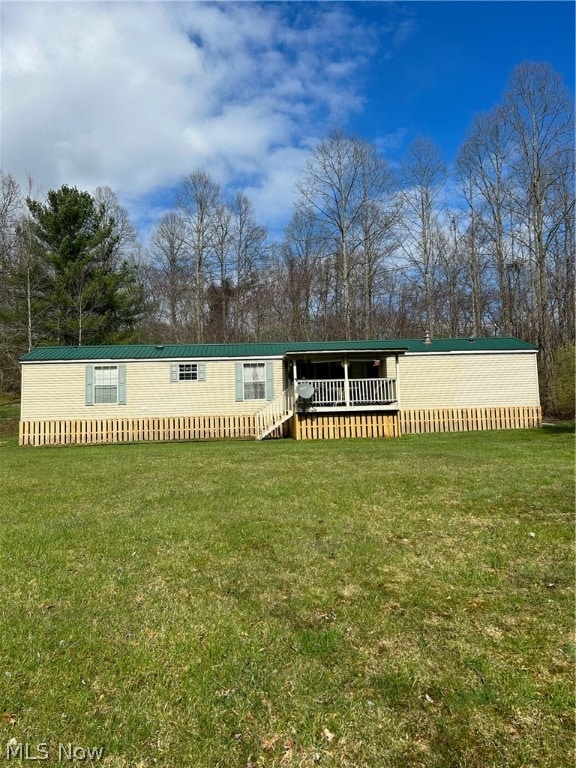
270 349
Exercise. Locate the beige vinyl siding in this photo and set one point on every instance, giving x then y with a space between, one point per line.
57 391
387 368
467 380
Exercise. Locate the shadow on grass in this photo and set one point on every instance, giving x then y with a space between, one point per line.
558 428
9 417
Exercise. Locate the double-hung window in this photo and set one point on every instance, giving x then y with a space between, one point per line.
254 381
105 385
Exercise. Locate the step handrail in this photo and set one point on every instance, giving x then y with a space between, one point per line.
275 413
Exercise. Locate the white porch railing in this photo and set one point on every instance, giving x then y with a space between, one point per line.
275 413
367 391
352 392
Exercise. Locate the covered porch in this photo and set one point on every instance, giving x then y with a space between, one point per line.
346 383
340 393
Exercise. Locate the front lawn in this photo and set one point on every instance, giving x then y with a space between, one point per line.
351 603
9 416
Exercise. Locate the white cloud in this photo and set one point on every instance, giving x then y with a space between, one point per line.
391 141
275 194
405 30
136 95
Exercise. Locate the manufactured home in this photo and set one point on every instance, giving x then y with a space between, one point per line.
305 389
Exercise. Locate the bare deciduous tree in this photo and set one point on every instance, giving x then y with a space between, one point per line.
348 187
540 115
124 240
198 202
482 167
423 175
169 261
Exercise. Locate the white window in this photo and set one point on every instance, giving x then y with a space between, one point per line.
188 372
105 384
254 381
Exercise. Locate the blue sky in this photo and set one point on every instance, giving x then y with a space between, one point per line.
455 60
136 95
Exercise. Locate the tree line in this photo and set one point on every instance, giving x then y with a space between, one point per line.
373 249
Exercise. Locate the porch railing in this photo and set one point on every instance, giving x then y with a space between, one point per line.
353 392
377 391
275 413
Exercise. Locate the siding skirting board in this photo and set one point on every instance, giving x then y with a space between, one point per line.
302 426
420 420
311 426
329 426
131 430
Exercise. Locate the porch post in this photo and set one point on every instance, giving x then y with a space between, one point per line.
346 383
397 382
295 420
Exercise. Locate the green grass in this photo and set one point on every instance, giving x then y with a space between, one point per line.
9 416
341 603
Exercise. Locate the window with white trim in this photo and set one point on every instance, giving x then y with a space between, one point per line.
188 372
254 381
105 384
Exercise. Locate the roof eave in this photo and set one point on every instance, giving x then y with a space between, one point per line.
323 352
